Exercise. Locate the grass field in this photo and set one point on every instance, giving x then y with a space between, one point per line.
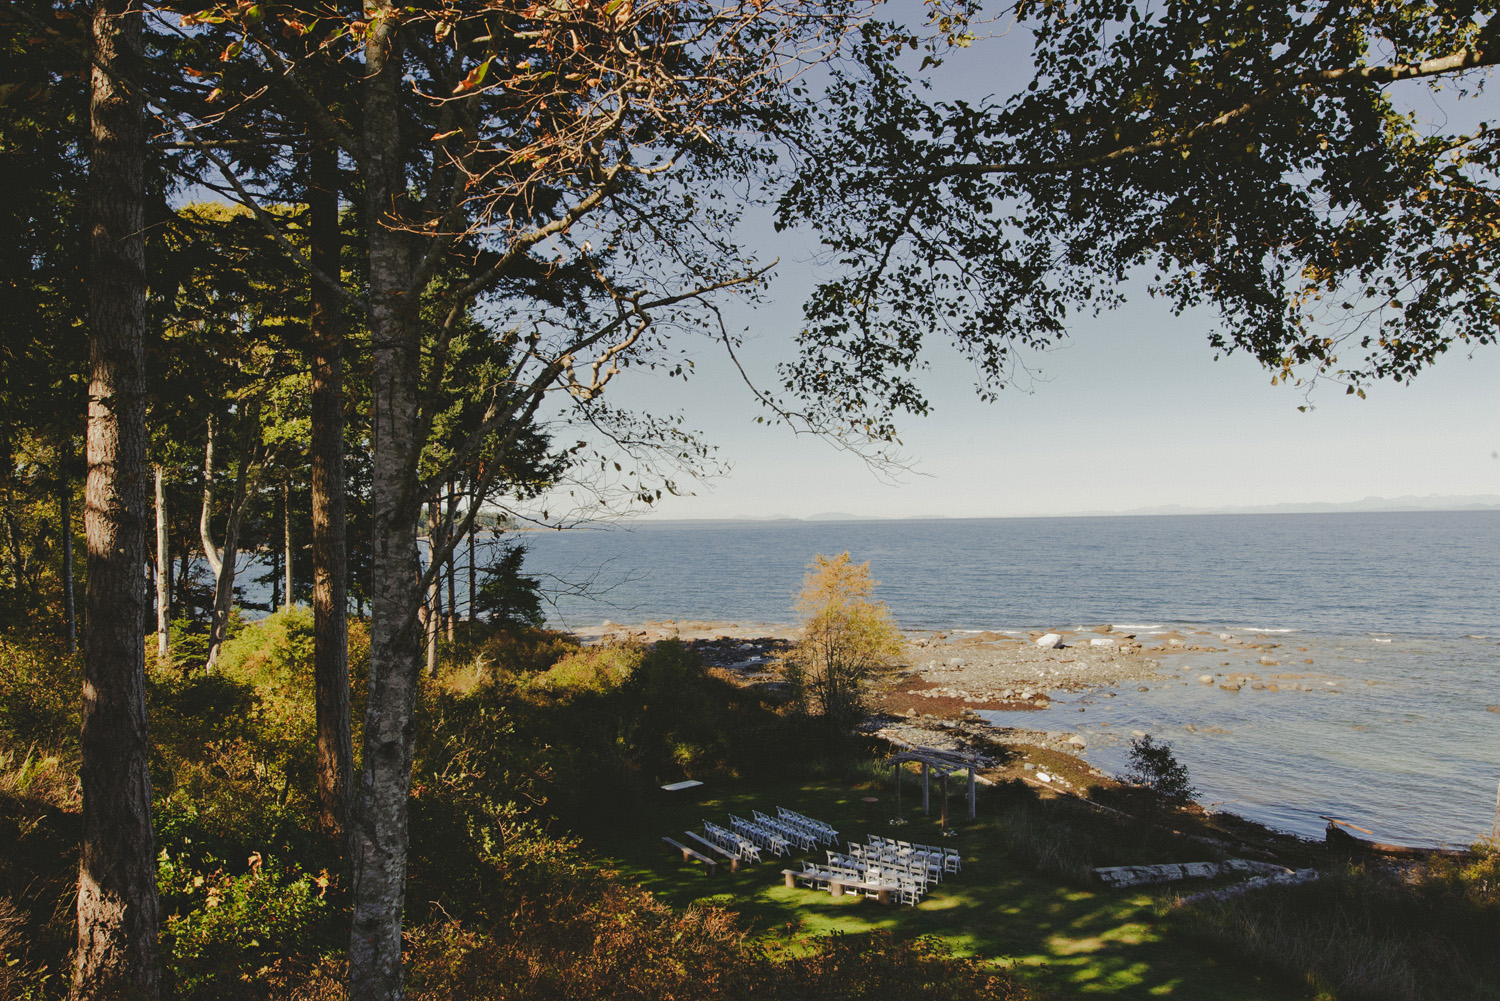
1075 942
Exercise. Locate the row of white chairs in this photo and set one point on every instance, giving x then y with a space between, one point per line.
884 855
952 861
765 839
911 885
824 833
804 841
731 842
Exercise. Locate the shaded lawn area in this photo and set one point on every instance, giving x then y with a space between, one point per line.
1077 943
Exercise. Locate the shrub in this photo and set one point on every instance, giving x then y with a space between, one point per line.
1156 769
39 695
845 638
238 923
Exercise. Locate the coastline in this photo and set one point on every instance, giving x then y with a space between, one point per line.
1278 727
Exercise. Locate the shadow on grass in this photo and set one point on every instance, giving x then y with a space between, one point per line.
1075 942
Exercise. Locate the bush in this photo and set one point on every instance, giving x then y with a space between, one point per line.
1156 769
238 924
39 695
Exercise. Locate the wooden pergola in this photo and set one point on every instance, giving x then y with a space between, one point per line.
944 763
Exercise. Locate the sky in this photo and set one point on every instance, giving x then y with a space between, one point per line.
1133 413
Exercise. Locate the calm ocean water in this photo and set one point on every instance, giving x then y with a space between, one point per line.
1401 611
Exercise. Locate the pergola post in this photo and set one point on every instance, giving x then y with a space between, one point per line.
971 790
898 790
945 802
926 791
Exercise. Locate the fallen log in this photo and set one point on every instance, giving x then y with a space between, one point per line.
1171 872
1341 842
1287 878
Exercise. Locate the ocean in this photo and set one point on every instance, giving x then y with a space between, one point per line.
1400 610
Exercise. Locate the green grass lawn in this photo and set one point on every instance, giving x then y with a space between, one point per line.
1077 943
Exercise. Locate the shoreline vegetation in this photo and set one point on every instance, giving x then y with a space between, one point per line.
537 819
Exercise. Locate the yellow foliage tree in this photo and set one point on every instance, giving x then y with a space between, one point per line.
846 637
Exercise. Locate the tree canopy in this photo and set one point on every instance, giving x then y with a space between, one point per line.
1259 159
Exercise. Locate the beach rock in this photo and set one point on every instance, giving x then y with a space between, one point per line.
1269 661
1138 733
1257 687
1101 641
1205 679
1077 741
1230 688
1143 688
956 662
1492 709
1044 776
1050 641
1029 766
1040 703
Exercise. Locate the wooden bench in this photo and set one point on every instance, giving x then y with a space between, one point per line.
710 865
838 883
732 857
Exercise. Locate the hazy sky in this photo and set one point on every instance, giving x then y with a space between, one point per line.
1133 412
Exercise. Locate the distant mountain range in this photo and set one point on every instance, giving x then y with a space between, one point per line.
1431 502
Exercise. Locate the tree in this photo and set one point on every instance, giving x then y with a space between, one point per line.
117 906
845 639
1253 157
1154 768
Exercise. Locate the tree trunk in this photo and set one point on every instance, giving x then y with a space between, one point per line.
70 610
224 585
117 906
448 512
286 511
163 573
205 517
434 620
326 452
381 832
473 530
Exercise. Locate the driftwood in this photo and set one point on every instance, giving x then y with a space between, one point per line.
1342 842
1145 875
1285 878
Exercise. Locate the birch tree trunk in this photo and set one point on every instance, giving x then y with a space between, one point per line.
163 573
117 905
225 570
286 511
335 755
381 831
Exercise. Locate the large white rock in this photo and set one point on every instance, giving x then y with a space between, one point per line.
1101 641
1051 641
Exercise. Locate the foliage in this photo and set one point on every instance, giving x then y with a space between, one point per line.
508 597
845 639
1155 768
1252 157
1363 932
39 686
228 926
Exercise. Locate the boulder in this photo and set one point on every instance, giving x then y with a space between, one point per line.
1077 741
1050 641
1205 679
1101 641
1492 709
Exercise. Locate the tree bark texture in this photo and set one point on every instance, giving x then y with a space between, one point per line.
65 516
163 572
380 831
433 620
225 570
286 515
330 600
117 905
